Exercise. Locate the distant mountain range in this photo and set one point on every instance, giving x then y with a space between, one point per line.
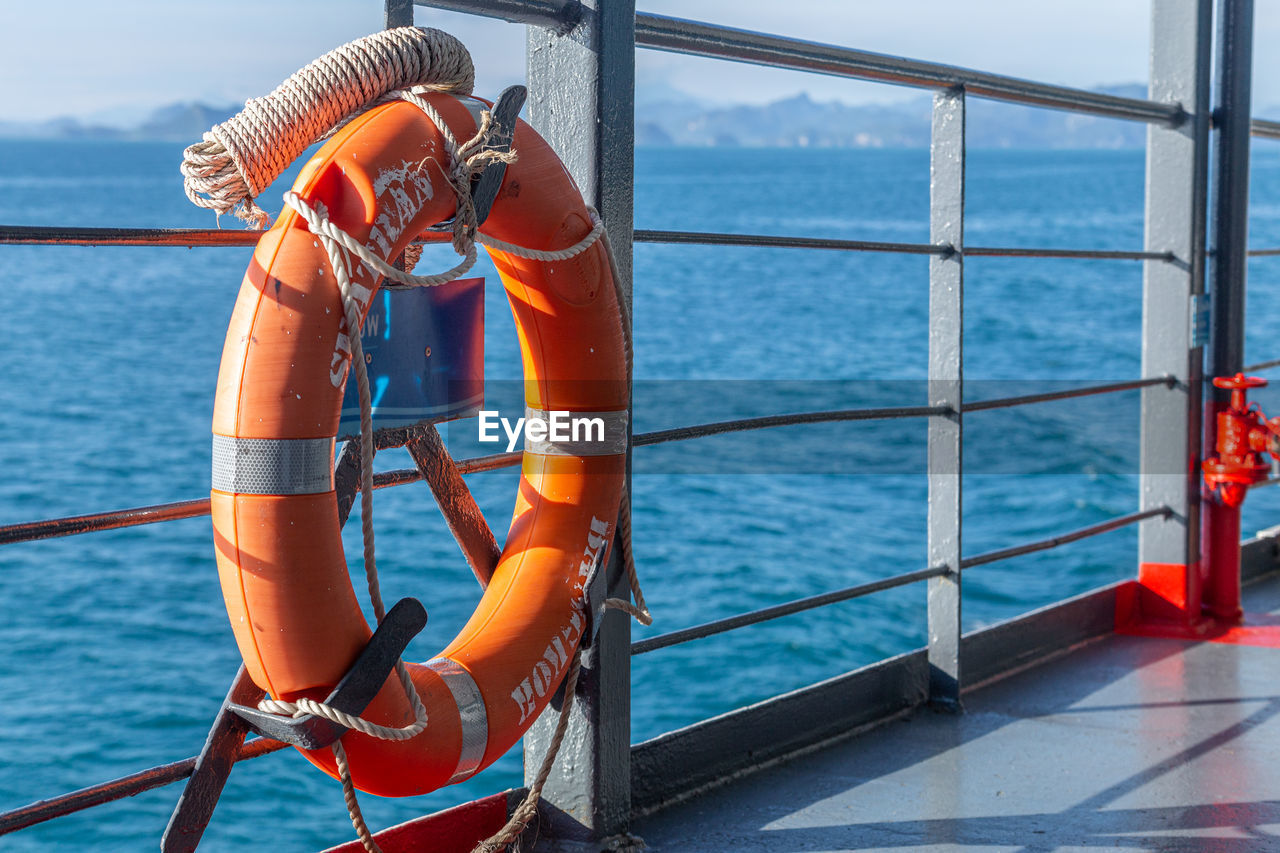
800 121
668 118
176 122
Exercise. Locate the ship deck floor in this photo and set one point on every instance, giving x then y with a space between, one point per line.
1128 743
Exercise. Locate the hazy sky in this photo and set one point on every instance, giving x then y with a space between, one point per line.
75 57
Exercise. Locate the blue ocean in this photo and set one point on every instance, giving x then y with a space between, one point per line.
116 648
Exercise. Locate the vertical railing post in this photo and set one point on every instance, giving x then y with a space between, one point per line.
397 13
1174 323
946 388
1229 241
581 96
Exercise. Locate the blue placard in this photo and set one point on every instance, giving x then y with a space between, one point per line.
424 351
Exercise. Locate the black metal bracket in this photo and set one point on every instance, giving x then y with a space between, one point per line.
356 689
505 112
485 186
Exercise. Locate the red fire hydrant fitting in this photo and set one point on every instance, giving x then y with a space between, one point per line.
1245 439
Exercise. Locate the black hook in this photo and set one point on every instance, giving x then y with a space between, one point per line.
356 689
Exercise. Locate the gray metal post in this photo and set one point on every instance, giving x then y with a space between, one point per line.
398 13
581 96
1174 322
946 388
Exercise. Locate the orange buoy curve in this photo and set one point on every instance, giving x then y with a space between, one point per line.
284 578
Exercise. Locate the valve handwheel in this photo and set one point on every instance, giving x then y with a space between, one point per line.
1239 381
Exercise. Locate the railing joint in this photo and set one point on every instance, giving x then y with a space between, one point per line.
570 17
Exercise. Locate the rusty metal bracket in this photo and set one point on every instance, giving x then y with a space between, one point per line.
200 796
356 689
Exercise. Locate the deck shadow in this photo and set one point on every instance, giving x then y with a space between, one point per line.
1131 742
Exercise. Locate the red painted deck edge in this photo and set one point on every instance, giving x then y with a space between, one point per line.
455 830
1156 605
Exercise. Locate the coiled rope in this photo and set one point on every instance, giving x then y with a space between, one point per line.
239 158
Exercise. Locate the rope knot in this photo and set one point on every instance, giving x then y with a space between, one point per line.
466 161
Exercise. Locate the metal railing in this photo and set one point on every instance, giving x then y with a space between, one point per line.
196 507
599 62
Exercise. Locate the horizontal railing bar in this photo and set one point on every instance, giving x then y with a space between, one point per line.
701 39
719 626
1100 254
1264 128
55 527
52 528
648 439
118 789
36 235
32 235
156 777
707 238
559 15
704 238
744 424
57 235
1263 253
491 462
1108 388
1262 365
1065 538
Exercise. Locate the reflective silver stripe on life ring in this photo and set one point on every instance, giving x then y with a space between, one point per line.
579 433
272 466
471 710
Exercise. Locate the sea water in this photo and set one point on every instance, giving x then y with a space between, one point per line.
116 648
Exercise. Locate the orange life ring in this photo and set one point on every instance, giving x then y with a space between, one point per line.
275 518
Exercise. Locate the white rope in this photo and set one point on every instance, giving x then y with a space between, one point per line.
305 706
351 311
597 230
317 219
528 807
349 797
240 157
464 161
525 812
638 611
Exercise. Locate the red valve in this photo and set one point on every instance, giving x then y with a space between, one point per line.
1239 381
1245 438
1238 385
